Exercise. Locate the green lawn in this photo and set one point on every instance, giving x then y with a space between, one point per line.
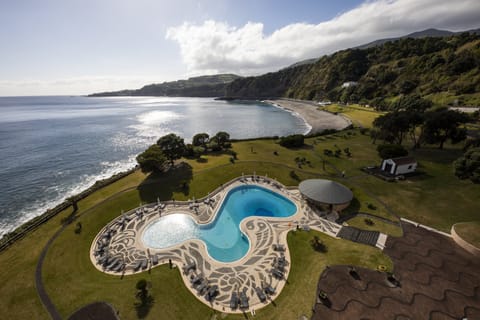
470 232
19 296
435 197
360 116
378 225
172 299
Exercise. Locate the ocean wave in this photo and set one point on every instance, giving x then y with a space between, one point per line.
295 114
62 192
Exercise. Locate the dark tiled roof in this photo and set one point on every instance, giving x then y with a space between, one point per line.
325 191
404 160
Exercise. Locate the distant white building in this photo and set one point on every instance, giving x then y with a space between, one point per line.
324 103
349 84
398 166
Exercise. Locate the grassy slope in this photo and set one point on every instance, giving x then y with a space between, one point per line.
436 198
19 296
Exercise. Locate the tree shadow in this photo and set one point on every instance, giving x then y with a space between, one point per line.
162 185
352 209
143 306
433 154
318 245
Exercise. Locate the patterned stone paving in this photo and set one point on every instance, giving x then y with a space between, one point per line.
437 279
118 248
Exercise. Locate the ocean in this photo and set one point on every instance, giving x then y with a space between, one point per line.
54 147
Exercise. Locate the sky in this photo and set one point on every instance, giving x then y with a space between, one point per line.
77 47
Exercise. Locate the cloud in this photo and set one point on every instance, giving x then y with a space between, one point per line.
217 47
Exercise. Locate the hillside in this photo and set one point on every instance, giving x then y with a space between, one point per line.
203 86
434 33
445 70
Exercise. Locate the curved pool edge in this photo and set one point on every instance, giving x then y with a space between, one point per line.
215 215
256 264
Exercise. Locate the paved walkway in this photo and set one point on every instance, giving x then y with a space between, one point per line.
42 293
437 280
120 242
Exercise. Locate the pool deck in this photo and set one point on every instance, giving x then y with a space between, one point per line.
121 240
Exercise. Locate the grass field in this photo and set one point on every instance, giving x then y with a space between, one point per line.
470 232
435 197
378 225
360 116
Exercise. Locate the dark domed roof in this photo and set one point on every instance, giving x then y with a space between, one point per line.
325 191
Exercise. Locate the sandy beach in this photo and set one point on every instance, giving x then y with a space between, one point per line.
318 120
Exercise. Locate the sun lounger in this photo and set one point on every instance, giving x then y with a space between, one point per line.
103 260
211 293
269 290
144 264
119 267
281 263
234 300
243 300
137 265
112 264
202 287
188 267
260 294
197 279
277 273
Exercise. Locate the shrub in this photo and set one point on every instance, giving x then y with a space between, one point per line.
292 141
468 166
78 227
294 175
347 152
387 151
369 222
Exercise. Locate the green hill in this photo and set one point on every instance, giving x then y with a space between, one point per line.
203 86
444 70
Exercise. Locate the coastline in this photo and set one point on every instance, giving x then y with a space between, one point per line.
317 120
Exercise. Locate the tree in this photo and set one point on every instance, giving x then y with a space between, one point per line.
468 166
152 159
222 138
141 287
292 141
443 124
200 139
393 126
388 151
412 103
74 201
172 147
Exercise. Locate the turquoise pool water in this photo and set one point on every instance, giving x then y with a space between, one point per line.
223 238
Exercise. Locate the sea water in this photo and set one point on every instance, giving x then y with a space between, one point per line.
54 147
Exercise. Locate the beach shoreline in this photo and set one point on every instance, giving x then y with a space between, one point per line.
316 119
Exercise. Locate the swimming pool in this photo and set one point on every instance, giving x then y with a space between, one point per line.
223 238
